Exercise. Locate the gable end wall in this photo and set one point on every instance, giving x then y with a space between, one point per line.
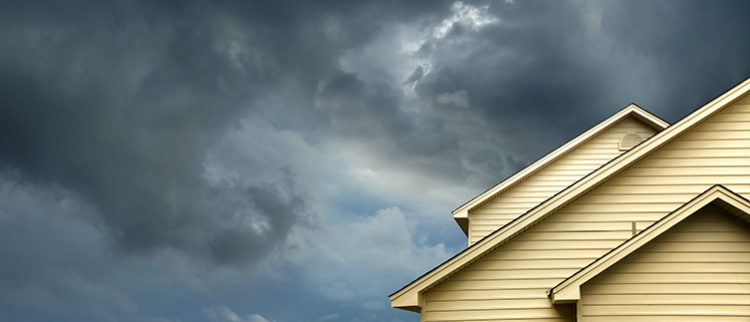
546 182
698 270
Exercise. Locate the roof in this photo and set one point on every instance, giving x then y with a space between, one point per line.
460 214
568 291
408 297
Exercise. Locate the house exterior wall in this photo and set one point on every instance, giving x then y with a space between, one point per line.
509 283
551 179
698 270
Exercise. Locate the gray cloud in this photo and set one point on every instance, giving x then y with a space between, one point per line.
415 76
120 105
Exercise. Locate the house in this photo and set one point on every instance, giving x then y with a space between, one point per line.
633 220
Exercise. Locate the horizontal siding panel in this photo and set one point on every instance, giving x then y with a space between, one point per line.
640 267
506 274
599 223
563 244
630 199
459 305
679 277
674 310
710 227
659 288
500 284
676 152
682 171
453 295
657 161
489 264
600 214
580 235
491 222
707 180
596 226
716 244
711 237
706 255
549 254
724 143
688 190
655 208
683 299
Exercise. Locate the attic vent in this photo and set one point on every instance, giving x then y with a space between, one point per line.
629 140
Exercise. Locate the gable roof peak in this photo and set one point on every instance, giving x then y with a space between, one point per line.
460 214
568 291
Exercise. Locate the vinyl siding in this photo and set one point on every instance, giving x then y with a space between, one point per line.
716 151
677 277
551 179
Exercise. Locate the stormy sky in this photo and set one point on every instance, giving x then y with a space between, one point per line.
298 160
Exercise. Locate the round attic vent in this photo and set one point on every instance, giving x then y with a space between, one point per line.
629 140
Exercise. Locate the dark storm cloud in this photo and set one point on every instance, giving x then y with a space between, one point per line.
547 71
700 49
119 102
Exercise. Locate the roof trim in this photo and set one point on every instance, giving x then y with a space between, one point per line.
410 295
630 110
568 291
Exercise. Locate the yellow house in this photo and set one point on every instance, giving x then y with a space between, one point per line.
633 220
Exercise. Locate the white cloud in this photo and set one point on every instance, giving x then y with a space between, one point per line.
466 15
377 61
